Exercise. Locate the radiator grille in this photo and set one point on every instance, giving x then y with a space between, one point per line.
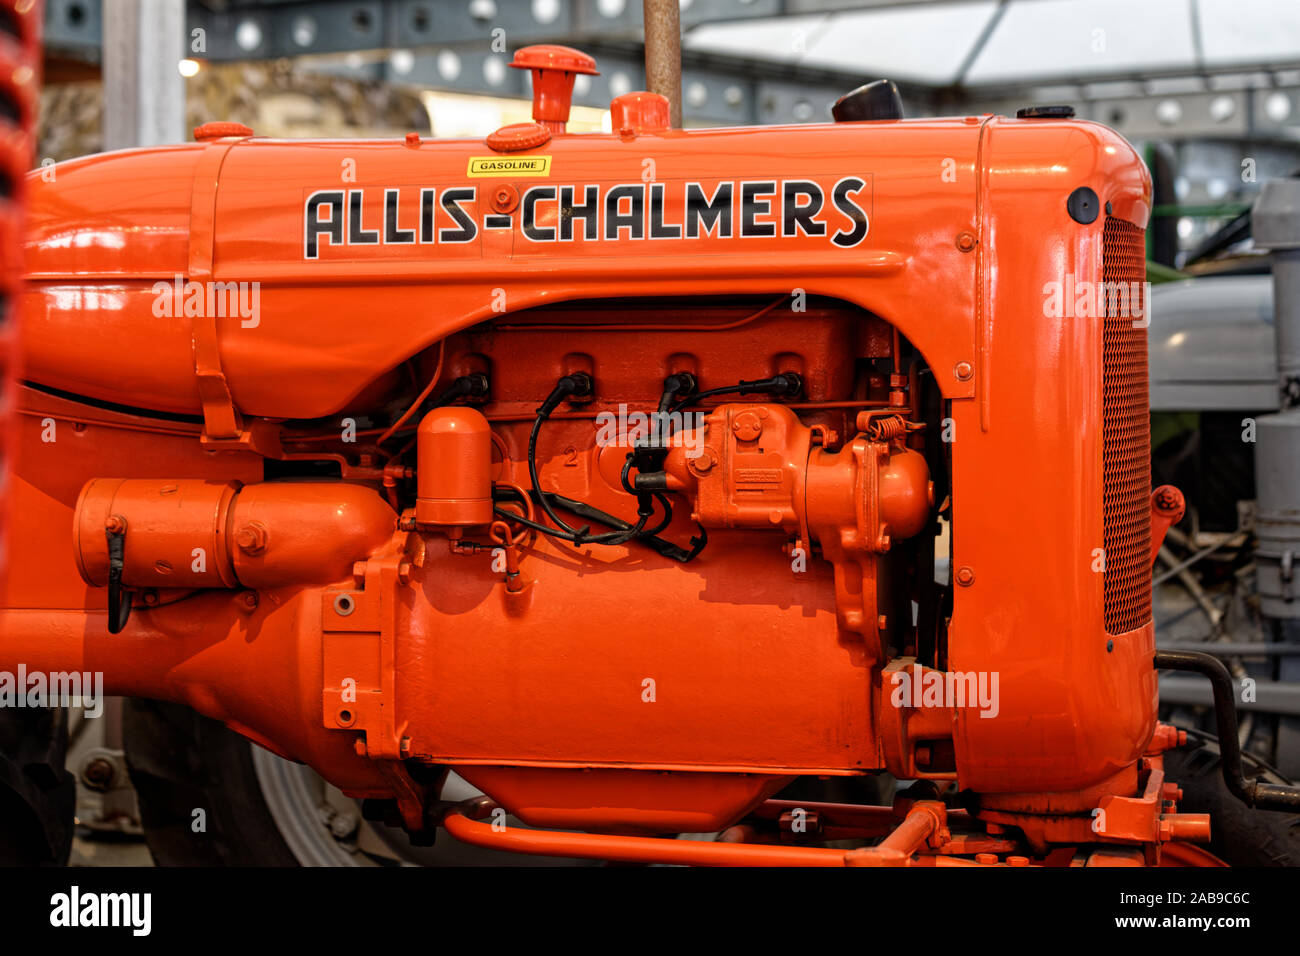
1126 434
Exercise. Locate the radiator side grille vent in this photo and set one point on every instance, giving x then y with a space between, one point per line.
1126 435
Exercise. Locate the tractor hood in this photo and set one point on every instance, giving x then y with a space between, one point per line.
242 263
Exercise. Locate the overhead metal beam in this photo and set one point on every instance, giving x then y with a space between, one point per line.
981 41
462 45
259 29
801 7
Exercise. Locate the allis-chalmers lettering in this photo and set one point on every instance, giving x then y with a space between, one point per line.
749 209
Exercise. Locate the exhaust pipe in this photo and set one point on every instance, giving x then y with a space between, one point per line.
663 54
1253 793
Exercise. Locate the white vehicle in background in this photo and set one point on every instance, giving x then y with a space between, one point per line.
1214 379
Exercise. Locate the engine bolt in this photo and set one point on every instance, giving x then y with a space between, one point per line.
965 577
966 241
963 371
98 774
986 859
115 524
343 825
1017 861
252 538
249 600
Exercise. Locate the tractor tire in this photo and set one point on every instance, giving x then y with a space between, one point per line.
38 796
182 762
259 809
1239 835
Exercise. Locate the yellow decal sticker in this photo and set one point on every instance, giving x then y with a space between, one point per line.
509 166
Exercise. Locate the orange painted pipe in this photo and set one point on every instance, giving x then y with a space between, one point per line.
463 822
924 819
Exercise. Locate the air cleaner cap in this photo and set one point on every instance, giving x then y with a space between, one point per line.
220 130
548 56
554 70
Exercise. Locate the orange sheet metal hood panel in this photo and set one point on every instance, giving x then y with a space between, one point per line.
235 210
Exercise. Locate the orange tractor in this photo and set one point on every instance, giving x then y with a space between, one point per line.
612 472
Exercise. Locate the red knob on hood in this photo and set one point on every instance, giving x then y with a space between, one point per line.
554 70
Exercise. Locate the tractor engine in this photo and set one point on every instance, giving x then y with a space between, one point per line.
630 476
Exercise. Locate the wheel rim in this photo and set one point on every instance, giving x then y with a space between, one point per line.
294 795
